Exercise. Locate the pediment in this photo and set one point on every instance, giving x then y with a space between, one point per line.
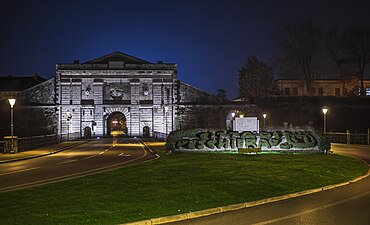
117 57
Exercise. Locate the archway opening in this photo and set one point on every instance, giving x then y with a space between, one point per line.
146 132
116 124
87 132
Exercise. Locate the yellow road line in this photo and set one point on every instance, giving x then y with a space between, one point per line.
19 171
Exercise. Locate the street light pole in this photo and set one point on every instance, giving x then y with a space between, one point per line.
264 121
12 103
324 111
232 120
69 117
165 116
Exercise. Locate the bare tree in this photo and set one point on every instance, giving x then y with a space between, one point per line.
221 93
255 78
334 42
300 41
356 45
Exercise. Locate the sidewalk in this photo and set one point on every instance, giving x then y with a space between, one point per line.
42 151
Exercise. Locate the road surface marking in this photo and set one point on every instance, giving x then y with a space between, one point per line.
69 161
312 210
124 154
19 171
74 175
91 156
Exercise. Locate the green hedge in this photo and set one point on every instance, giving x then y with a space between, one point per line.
194 139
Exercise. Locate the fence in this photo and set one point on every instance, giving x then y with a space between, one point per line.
1 146
29 143
349 138
159 135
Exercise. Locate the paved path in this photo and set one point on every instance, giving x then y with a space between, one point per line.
346 205
87 158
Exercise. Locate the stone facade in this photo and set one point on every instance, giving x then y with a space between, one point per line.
322 87
88 94
144 98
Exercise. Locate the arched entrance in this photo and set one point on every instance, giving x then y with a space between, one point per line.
116 124
146 133
87 132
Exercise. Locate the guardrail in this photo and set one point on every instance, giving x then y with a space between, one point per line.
29 143
349 138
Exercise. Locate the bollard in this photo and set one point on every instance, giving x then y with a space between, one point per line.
348 136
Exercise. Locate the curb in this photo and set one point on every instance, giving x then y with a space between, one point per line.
208 212
45 154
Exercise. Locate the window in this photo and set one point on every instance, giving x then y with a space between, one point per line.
168 95
320 91
367 91
295 91
337 91
313 91
145 90
286 91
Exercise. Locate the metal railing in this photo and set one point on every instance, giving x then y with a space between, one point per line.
29 143
159 135
1 146
349 138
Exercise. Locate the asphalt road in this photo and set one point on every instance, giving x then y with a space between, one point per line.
345 205
92 157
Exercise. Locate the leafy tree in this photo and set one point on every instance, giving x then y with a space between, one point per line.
356 45
221 93
255 78
300 41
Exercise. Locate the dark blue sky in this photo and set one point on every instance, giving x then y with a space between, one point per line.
209 40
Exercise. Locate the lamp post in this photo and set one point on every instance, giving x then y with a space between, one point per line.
264 120
324 111
232 120
12 103
69 117
165 115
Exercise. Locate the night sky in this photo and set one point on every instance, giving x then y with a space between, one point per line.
209 40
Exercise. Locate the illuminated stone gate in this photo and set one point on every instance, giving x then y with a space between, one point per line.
144 93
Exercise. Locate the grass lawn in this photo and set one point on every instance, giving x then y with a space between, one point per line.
173 184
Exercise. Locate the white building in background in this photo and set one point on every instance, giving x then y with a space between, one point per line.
322 87
116 94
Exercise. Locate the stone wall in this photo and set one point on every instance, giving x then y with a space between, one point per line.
192 95
41 94
211 116
28 120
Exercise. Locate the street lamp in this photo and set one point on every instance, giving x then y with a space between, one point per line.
324 111
69 117
264 120
12 103
165 115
